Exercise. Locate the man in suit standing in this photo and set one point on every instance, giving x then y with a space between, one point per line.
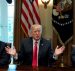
4 57
73 55
44 54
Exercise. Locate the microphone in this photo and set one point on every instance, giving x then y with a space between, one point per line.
9 1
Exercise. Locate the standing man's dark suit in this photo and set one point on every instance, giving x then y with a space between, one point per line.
4 57
73 56
45 55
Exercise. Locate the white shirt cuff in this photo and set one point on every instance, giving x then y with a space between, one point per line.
55 57
16 57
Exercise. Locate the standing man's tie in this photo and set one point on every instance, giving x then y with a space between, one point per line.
34 62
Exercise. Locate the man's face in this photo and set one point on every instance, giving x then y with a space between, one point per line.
36 32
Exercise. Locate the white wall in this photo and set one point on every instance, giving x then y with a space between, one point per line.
3 20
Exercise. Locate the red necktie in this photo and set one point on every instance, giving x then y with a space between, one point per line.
34 62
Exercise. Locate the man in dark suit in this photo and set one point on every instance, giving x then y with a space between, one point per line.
73 55
4 57
45 55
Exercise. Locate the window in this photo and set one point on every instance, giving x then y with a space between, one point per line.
6 21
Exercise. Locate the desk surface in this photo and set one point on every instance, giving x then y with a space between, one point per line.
26 68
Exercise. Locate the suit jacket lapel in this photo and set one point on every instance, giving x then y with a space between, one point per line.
40 48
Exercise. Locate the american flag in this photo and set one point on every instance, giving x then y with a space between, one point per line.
29 15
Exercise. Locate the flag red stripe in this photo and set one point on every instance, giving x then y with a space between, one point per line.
36 2
36 14
24 27
29 14
25 16
27 6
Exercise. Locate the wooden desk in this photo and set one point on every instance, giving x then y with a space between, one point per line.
25 68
